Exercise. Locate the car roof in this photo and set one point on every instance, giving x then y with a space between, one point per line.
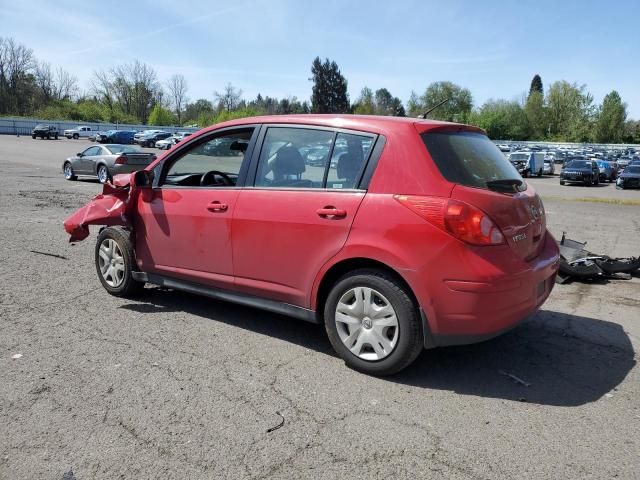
369 123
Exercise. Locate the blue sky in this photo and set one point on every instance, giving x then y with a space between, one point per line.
267 46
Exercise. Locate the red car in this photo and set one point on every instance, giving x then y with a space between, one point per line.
397 233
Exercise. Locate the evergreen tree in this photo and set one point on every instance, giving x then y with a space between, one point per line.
329 93
536 85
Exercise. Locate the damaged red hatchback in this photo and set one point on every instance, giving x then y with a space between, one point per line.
397 234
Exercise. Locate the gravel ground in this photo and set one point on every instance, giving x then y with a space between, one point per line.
177 386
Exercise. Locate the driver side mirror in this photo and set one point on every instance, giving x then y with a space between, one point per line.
143 178
79 155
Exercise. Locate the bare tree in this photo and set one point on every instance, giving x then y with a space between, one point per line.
133 88
44 80
229 99
58 85
66 85
16 62
177 86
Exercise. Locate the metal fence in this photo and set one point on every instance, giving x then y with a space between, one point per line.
24 126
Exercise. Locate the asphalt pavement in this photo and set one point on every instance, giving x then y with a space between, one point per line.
177 386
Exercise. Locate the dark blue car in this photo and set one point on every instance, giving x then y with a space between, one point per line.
122 137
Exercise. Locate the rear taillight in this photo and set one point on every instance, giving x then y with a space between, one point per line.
465 222
122 160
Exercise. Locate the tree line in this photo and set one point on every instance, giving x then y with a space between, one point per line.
133 93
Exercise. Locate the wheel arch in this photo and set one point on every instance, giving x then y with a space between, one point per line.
346 265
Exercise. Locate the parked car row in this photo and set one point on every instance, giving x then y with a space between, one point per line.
147 138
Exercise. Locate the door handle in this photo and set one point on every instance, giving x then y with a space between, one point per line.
331 212
217 206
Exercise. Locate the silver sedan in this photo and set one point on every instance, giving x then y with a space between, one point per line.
105 161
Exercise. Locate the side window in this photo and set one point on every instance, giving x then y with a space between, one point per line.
348 159
294 157
213 163
91 151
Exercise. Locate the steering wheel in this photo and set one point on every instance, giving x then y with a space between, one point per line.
209 178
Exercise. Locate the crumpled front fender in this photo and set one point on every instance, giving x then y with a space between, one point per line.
111 207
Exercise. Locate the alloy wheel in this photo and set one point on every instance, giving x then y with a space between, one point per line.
111 263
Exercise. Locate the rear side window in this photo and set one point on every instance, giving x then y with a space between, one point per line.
294 158
348 159
469 158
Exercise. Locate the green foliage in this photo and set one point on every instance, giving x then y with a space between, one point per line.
380 103
223 116
329 92
536 114
365 105
502 119
456 109
161 116
609 127
569 112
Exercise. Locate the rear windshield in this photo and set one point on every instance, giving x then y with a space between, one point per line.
122 149
579 164
633 170
519 156
469 159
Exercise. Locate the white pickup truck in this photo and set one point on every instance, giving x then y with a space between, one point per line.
78 132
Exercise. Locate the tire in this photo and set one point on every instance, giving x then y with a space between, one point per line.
48 136
76 136
597 181
404 339
115 262
526 174
33 136
55 137
67 170
103 174
561 182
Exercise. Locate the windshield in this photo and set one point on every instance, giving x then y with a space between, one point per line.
632 170
38 127
579 164
470 159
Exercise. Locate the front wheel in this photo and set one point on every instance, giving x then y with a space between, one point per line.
561 182
76 136
373 323
115 262
33 136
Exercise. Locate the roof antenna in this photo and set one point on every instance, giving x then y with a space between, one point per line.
424 115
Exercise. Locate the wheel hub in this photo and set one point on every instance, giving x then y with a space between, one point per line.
367 323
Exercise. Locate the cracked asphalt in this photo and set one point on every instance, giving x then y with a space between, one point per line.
177 386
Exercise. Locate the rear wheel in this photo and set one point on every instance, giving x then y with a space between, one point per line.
68 172
103 174
115 262
48 136
372 322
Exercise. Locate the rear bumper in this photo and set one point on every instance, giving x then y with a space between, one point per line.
471 307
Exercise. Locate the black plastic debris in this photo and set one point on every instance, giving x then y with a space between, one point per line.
577 263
